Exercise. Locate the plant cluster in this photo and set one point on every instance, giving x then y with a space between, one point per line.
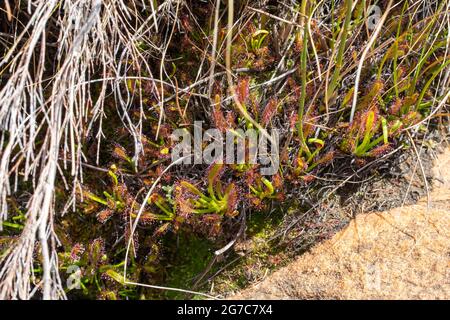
294 66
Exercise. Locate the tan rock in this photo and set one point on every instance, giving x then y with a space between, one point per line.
403 253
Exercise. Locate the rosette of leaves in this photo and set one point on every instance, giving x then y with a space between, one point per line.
363 137
219 199
115 200
261 189
95 272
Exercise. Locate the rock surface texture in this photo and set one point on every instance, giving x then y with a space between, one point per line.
403 253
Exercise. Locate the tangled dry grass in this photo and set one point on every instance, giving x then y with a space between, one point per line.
65 64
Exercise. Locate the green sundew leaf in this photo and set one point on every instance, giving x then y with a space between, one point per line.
21 217
236 133
369 125
373 93
205 211
269 186
320 142
110 295
259 32
395 126
385 130
113 177
95 198
218 189
254 190
164 209
258 38
174 70
348 97
212 176
108 196
12 225
162 217
202 203
115 276
367 135
193 189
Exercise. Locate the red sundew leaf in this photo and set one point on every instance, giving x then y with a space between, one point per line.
293 121
284 156
218 117
310 90
211 224
165 130
369 122
353 127
277 181
251 176
104 215
379 151
165 177
243 90
280 196
232 201
186 23
255 202
376 120
184 206
327 158
370 97
231 119
394 127
308 178
253 105
309 122
411 118
96 251
395 108
154 197
120 153
360 162
162 230
147 218
135 240
269 111
122 191
215 170
409 101
76 252
351 145
366 116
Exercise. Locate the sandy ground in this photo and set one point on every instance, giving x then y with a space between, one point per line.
403 253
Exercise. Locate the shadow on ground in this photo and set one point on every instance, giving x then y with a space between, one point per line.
402 253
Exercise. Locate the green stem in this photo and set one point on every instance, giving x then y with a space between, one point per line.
429 82
340 56
164 209
303 64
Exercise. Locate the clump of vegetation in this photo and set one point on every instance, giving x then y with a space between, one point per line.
91 94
